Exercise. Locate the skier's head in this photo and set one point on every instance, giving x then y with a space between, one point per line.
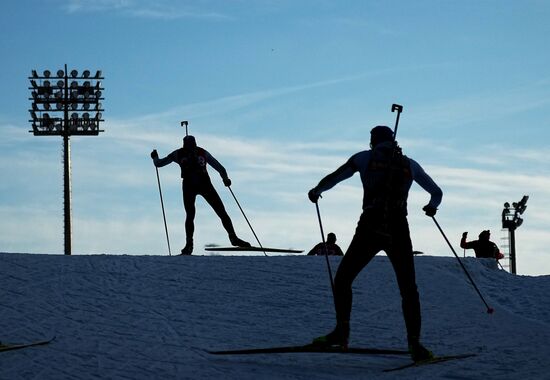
380 134
331 238
189 142
484 235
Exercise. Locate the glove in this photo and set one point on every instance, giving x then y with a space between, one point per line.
464 235
227 182
154 154
313 195
429 210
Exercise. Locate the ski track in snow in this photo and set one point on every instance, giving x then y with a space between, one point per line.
143 317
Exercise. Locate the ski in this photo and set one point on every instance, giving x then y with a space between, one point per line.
437 359
18 346
310 348
252 249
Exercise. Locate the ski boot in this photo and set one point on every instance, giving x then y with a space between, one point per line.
419 352
336 338
188 249
236 242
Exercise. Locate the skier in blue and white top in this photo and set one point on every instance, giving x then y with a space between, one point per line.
386 175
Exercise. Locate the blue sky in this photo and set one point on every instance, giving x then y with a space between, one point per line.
281 93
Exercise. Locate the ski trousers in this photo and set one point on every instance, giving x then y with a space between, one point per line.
209 193
366 243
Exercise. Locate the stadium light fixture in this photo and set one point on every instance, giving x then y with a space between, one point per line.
52 101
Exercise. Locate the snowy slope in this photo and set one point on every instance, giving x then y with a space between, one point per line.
143 317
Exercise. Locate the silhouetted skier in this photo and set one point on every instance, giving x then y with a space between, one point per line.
332 249
386 175
484 247
193 161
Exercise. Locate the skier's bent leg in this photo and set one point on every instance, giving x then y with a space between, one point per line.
214 200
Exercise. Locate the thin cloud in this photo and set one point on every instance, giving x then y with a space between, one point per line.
144 9
74 6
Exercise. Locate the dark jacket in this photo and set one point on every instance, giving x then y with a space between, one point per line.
482 248
332 250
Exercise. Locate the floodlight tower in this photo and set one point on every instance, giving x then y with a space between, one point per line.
53 99
511 221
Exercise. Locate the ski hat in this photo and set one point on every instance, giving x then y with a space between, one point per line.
189 142
380 133
484 235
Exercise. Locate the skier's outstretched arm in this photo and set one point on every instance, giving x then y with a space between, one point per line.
342 173
218 167
427 183
160 162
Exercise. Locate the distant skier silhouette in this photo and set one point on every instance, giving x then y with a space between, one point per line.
193 161
332 249
484 247
386 175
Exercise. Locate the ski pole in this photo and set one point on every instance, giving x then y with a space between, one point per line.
326 253
163 213
490 310
249 225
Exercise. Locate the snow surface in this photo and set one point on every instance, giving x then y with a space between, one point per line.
151 317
